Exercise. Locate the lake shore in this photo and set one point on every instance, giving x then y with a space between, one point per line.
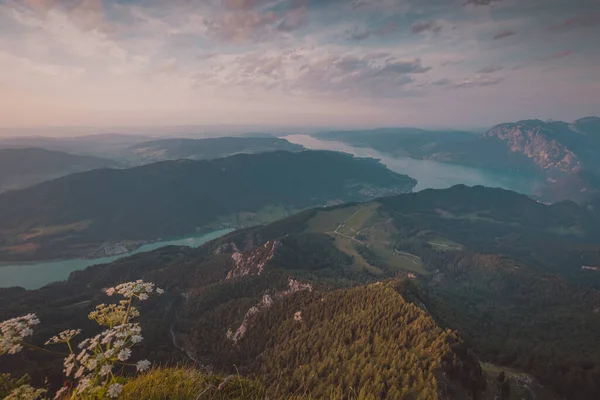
35 274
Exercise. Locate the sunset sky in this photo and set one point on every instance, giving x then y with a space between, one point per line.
297 62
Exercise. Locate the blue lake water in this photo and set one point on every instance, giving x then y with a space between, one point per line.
429 174
37 274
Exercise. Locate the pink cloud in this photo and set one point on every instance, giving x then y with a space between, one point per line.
503 34
561 54
583 21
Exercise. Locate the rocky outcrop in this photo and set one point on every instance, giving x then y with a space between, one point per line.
267 301
252 262
537 141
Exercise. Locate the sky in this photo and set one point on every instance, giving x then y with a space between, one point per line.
351 63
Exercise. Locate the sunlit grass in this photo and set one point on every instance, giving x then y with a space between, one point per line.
183 383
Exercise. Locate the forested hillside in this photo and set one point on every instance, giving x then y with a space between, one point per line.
20 168
74 215
297 305
206 149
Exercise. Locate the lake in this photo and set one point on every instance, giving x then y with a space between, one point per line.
37 274
429 174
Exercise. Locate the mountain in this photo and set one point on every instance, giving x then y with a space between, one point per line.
20 168
448 294
203 149
564 154
411 142
76 214
107 145
553 147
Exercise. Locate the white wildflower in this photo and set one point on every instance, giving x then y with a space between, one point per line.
159 291
124 355
91 364
136 339
84 384
143 365
14 331
61 392
69 364
79 372
64 336
110 291
105 369
114 390
135 289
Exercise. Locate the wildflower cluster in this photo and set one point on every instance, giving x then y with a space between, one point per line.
25 392
93 362
14 331
139 289
64 336
114 314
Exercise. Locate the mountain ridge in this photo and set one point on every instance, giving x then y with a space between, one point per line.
469 266
172 198
23 167
209 148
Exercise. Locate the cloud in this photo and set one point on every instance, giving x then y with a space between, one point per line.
490 69
113 56
466 83
426 26
243 26
245 4
560 54
384 30
442 82
504 34
481 2
583 21
294 19
321 74
478 81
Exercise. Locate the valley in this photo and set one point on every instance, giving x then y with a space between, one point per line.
471 260
73 216
299 200
561 156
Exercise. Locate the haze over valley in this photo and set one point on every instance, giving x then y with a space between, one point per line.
299 199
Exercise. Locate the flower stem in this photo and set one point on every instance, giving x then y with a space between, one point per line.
34 347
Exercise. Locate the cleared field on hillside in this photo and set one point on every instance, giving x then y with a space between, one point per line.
357 221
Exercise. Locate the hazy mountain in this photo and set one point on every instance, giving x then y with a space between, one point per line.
77 213
204 149
106 145
499 269
20 168
554 150
412 142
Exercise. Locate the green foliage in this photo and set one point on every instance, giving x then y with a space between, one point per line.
512 286
24 167
185 383
8 383
172 198
366 340
209 148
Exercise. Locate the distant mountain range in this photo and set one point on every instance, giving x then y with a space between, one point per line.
206 149
20 168
75 214
436 292
104 145
557 151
